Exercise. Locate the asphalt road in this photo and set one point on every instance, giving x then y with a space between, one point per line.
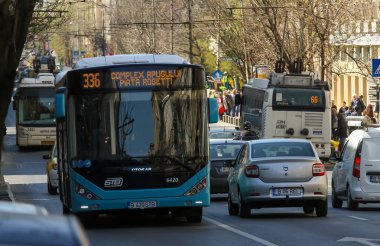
25 171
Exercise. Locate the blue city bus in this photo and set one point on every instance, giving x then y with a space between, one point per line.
132 134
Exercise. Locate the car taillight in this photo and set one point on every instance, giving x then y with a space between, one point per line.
356 168
318 169
252 171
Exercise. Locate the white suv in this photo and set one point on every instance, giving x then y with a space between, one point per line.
356 175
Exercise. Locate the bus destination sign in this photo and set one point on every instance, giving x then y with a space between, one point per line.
145 78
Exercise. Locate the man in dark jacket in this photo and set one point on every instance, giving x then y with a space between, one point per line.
342 130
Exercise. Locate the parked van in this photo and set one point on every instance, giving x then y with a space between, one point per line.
356 175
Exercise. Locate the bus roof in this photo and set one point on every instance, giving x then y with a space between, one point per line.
128 59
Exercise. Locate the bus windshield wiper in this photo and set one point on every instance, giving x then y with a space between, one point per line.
175 161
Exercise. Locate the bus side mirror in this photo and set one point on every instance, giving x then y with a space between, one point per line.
60 103
213 116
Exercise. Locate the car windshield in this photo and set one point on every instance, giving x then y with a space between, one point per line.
281 149
225 150
228 134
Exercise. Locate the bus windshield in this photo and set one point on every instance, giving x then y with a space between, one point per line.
124 125
299 99
36 106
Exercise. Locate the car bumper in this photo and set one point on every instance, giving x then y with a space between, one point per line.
364 197
260 194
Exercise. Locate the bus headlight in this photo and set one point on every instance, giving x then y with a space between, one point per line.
305 131
83 192
290 131
198 187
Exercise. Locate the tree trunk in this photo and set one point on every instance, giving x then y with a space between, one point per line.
15 17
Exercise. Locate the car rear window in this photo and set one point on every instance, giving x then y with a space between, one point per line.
281 149
225 150
370 149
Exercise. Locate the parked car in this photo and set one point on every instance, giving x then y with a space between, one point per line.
28 224
223 154
277 173
51 171
224 133
356 175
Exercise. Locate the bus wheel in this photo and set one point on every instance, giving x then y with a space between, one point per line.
194 215
65 209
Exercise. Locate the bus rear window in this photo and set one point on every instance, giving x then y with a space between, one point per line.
296 98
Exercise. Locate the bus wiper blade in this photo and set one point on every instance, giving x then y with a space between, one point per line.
176 161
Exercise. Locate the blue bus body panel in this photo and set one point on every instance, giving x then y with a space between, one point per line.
119 199
213 110
60 105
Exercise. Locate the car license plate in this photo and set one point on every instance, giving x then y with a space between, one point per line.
225 169
291 192
374 178
142 205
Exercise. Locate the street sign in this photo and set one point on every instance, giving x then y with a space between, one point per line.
217 75
375 67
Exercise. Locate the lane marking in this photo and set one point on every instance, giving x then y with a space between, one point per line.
35 199
241 233
357 218
10 193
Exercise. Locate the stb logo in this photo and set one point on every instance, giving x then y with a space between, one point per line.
113 182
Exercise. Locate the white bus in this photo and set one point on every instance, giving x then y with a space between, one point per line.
35 111
289 106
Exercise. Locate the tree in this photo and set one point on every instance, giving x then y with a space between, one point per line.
15 17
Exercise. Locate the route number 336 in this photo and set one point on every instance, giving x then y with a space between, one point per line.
91 80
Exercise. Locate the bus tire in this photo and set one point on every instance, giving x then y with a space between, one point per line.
65 209
195 215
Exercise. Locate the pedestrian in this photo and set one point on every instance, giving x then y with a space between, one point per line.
221 108
342 130
368 115
237 103
334 123
344 108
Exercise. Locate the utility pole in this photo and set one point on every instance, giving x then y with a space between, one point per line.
154 25
172 26
190 32
218 40
244 44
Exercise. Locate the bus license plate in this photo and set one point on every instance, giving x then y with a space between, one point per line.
47 142
291 192
374 178
142 205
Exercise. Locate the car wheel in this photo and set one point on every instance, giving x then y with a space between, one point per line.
195 215
335 201
233 209
308 209
352 205
244 210
52 190
322 208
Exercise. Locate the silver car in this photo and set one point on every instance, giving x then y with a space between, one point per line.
277 173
